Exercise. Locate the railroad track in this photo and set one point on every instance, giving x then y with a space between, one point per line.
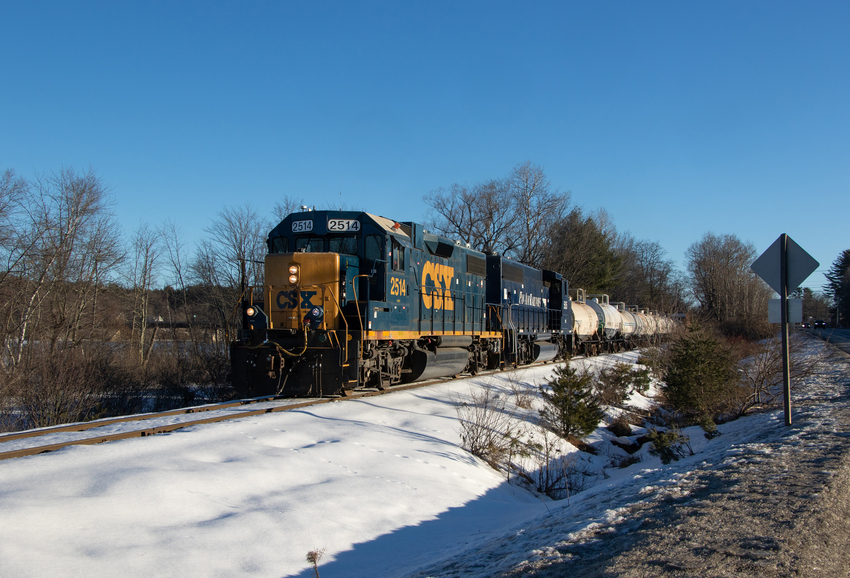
239 405
147 431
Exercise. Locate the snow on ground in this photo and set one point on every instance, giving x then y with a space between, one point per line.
380 483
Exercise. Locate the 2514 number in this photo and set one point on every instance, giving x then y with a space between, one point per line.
337 225
398 286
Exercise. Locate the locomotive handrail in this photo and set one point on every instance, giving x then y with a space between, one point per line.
357 306
342 316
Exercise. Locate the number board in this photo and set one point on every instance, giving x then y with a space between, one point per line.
302 226
343 225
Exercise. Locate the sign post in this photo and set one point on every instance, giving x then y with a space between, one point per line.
792 268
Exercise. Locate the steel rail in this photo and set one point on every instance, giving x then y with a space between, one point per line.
173 427
139 417
35 450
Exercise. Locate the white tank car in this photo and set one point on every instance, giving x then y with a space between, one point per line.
609 318
642 323
652 333
629 321
585 319
667 325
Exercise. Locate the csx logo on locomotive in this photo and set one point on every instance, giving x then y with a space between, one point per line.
438 296
289 299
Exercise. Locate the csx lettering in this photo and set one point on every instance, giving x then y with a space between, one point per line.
289 299
398 286
438 296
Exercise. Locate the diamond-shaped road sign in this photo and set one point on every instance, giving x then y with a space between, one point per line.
799 265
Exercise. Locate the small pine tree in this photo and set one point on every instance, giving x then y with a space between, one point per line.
615 383
668 445
571 408
700 379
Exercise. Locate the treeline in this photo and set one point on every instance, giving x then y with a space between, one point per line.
522 216
97 323
838 289
89 329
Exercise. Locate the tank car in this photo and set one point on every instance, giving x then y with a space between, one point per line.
587 327
610 321
630 325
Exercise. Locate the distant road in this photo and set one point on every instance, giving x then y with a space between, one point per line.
838 337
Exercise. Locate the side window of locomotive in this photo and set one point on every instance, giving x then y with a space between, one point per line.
398 256
310 244
280 245
373 249
345 245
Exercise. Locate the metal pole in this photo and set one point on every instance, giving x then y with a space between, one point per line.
786 373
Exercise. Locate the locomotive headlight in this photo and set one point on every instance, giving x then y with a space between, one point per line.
314 317
251 311
294 270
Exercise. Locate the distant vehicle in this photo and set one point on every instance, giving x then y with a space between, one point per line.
806 325
819 323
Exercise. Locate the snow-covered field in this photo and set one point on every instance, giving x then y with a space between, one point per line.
381 484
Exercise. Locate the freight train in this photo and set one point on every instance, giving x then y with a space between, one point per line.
352 300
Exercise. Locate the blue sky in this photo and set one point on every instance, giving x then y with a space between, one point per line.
678 118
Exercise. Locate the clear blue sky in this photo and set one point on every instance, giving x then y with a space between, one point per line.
678 117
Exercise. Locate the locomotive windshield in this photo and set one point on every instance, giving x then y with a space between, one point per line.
309 244
346 245
279 245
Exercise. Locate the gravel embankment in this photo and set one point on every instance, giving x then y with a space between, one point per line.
776 506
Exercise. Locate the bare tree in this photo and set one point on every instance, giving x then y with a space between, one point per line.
285 206
510 216
12 190
67 244
646 277
724 285
479 215
147 248
231 258
174 251
538 208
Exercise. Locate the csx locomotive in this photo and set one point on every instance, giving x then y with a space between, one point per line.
353 300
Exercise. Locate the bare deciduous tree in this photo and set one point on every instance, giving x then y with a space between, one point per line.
538 209
647 278
724 285
175 252
285 206
147 247
231 258
510 216
65 246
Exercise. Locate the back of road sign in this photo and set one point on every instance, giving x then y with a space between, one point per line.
799 265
